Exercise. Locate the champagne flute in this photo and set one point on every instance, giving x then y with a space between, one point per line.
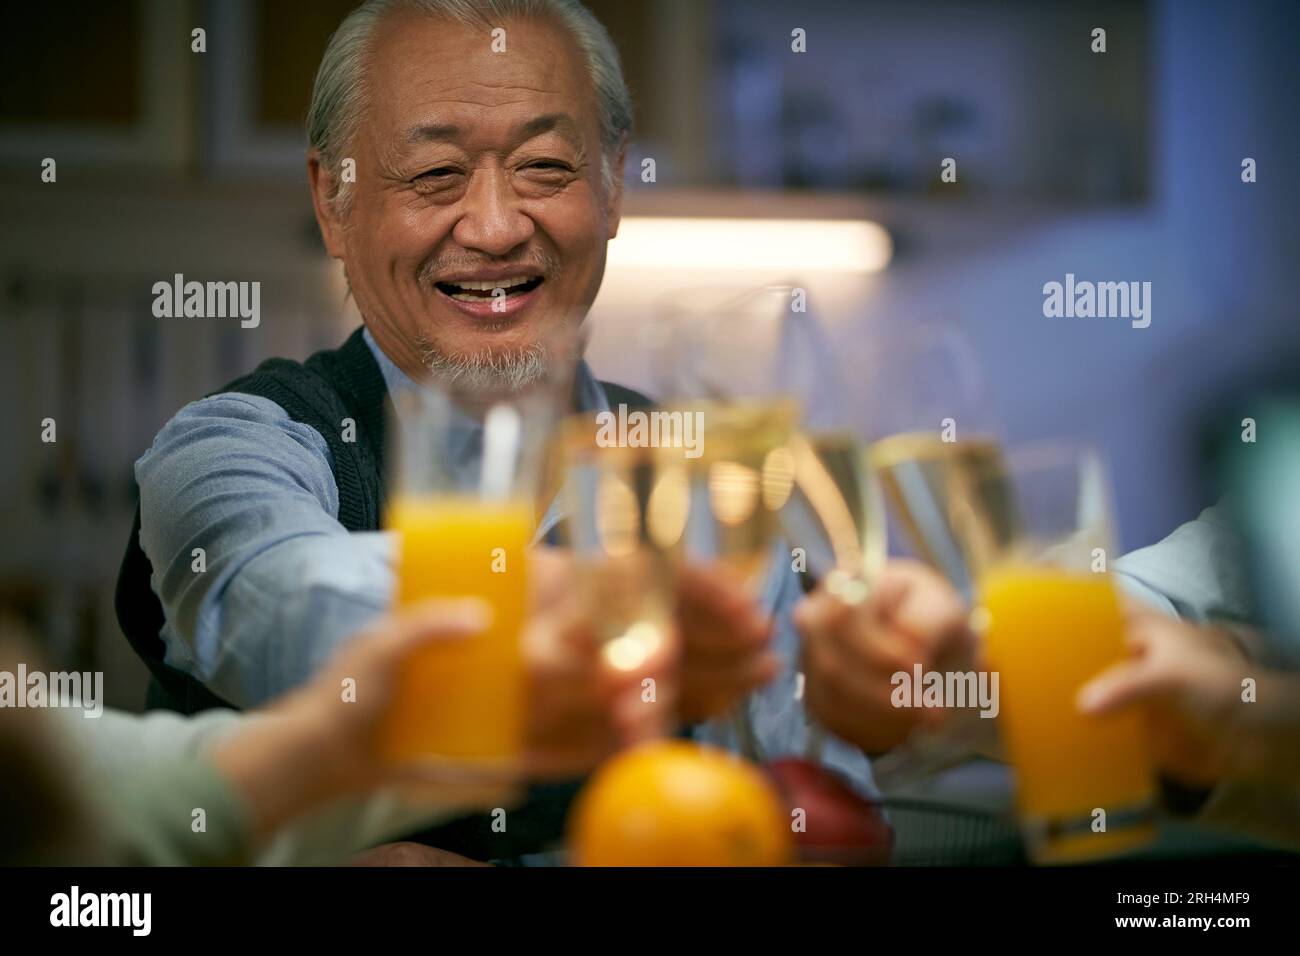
927 415
715 354
930 424
835 514
714 351
754 355
626 507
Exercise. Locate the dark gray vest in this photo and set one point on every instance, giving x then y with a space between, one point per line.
330 386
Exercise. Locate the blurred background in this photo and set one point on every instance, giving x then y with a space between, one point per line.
1115 166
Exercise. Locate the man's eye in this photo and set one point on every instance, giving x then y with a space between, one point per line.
440 172
550 165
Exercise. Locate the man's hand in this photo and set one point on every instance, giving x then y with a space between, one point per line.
1187 679
725 642
851 652
583 708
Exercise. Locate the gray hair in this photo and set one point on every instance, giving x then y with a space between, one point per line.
338 96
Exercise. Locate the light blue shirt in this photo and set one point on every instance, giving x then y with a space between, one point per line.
1198 572
285 583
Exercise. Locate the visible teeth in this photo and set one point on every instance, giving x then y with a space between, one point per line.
489 286
469 297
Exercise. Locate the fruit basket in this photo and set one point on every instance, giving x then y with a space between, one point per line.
931 833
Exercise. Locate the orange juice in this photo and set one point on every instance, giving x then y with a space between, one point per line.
1049 632
462 700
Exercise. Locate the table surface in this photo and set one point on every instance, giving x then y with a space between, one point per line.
972 823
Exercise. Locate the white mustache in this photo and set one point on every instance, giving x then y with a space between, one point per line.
543 262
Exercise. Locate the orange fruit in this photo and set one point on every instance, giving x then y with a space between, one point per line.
676 803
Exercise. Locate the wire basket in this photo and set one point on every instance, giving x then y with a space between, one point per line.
929 833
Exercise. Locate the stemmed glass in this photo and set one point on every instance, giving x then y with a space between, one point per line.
784 456
928 416
626 507
925 410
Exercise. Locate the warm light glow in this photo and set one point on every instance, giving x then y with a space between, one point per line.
794 246
669 507
733 492
631 650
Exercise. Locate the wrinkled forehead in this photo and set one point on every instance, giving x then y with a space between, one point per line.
425 72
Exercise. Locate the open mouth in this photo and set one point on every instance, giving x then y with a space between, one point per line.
487 291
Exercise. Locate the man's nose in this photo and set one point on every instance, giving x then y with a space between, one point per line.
492 221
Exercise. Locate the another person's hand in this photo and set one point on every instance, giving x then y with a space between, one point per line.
725 642
852 652
582 707
1188 681
314 744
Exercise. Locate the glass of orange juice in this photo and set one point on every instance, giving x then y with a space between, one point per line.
463 508
1051 620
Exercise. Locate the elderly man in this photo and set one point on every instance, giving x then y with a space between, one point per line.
487 139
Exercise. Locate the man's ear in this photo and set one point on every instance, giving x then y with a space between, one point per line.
614 202
324 187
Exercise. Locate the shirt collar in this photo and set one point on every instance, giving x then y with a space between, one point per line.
588 396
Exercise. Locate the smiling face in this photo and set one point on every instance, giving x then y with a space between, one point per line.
478 221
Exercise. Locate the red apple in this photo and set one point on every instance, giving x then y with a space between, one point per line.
839 825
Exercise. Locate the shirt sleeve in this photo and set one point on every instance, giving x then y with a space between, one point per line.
1198 572
159 802
258 580
150 774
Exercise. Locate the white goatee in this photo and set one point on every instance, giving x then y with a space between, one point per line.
510 371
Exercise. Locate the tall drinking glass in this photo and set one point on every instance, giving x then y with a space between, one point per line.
1051 620
464 510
